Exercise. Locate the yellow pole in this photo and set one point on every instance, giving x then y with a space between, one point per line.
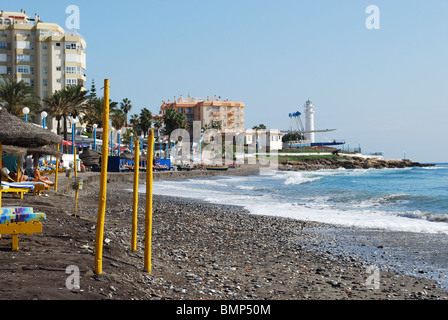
76 182
56 173
18 168
103 186
148 215
135 202
1 167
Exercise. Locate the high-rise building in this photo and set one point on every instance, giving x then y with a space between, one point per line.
228 116
43 55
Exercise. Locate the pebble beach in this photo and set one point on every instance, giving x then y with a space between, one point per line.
200 251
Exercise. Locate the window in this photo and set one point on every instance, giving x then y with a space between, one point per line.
32 82
58 44
44 82
44 46
3 70
3 57
4 45
23 69
23 45
58 68
71 45
58 81
44 58
73 70
7 22
44 70
23 57
75 58
71 82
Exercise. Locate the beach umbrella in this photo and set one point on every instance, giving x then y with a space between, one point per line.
15 151
127 155
16 132
46 150
90 157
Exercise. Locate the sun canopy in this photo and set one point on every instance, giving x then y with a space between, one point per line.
16 132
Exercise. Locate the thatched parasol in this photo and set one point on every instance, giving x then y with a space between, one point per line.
127 155
15 151
90 157
46 150
16 132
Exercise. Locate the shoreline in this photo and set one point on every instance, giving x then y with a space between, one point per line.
230 255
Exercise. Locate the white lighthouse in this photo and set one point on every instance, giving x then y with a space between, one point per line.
309 121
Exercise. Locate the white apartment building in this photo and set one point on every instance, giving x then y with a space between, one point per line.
41 54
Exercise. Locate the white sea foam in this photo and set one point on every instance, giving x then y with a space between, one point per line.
299 177
258 195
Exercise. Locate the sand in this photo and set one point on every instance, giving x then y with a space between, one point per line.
199 251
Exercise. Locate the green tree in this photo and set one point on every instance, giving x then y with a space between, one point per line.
118 118
17 95
56 105
126 107
145 122
292 136
174 120
94 112
217 125
158 123
61 104
93 90
259 127
135 121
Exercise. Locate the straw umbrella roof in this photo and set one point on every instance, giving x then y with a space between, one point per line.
127 155
46 150
90 157
15 151
16 132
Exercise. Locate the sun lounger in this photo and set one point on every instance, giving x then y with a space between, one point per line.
17 188
25 187
18 220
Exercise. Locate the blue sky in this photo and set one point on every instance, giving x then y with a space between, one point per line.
385 89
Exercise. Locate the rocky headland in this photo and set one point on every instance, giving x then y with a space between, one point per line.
347 163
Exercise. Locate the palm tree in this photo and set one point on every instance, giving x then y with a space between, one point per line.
94 113
158 123
145 120
77 99
259 127
17 95
118 118
56 105
174 120
71 101
126 107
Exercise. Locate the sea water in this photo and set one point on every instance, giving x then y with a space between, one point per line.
404 212
409 199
